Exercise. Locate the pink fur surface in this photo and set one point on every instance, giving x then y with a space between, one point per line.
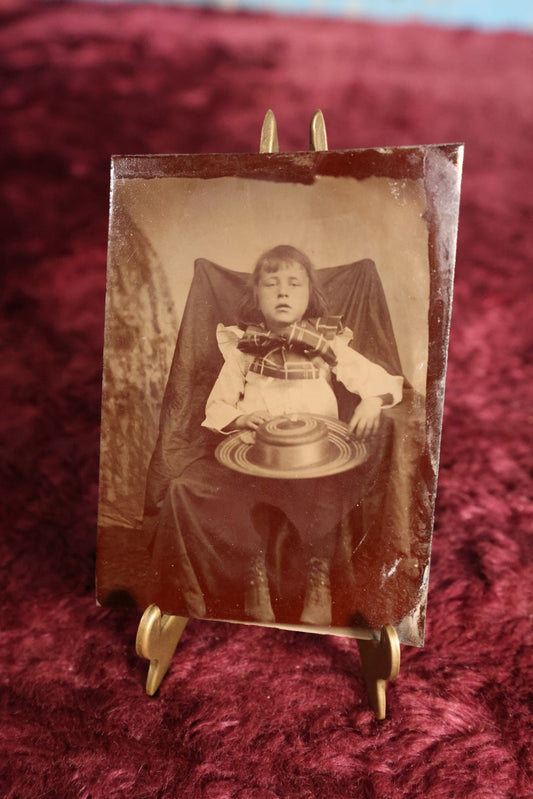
250 713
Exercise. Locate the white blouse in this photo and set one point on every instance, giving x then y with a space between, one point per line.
238 391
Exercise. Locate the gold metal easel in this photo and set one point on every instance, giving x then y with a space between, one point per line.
158 635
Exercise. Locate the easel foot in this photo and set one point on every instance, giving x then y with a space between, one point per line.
381 662
158 636
157 639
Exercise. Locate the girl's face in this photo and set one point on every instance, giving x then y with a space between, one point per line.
283 296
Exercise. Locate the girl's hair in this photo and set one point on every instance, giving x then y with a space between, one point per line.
272 261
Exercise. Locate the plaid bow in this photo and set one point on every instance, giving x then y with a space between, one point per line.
288 355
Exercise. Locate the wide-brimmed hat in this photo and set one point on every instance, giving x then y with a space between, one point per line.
293 446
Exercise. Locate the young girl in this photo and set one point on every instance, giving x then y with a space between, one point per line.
282 363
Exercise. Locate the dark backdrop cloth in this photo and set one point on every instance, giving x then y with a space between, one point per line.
253 713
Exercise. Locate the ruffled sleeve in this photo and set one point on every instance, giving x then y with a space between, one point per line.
361 376
227 339
221 407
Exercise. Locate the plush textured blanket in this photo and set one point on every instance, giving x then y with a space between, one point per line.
251 713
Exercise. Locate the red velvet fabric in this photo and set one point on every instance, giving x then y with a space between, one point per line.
255 713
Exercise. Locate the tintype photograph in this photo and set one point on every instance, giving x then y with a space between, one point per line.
275 351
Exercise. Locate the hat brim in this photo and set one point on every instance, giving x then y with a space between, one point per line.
344 453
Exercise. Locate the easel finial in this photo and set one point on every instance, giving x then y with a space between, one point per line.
269 134
318 139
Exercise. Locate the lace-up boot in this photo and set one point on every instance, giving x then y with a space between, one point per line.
317 603
257 605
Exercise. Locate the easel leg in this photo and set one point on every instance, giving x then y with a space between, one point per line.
157 639
381 662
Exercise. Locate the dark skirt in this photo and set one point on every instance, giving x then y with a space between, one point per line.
214 521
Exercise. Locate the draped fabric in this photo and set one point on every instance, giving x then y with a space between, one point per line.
188 569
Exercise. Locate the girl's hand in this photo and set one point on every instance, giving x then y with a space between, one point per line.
250 421
365 420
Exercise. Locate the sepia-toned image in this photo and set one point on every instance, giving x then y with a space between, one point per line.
275 351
